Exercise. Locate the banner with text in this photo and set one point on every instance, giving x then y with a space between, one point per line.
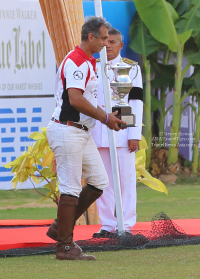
27 72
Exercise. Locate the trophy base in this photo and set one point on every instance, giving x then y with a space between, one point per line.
124 114
126 110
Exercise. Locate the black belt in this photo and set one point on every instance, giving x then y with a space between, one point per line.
70 123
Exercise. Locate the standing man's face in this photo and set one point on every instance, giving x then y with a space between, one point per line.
114 46
101 41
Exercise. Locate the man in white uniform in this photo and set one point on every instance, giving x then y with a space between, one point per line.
69 137
127 142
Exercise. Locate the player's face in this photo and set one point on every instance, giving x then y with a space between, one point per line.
114 46
101 40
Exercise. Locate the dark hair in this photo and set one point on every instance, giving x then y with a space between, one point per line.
114 31
93 25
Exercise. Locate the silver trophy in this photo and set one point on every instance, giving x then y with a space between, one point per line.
121 86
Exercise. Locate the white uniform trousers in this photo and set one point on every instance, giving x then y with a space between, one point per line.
76 156
106 203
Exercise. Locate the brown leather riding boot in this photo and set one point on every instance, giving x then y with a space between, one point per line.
66 248
53 230
88 195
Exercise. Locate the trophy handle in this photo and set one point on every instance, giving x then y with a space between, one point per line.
107 64
133 65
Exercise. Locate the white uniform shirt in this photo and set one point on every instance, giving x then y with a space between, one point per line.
76 71
99 132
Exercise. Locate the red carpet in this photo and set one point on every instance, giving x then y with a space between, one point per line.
14 236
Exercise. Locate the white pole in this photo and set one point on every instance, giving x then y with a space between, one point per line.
191 121
111 135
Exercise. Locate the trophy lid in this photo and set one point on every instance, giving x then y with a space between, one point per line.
121 65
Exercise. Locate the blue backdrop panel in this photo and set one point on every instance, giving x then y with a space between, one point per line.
120 15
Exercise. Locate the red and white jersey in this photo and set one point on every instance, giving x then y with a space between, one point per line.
76 71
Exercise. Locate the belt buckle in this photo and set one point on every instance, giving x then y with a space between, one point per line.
82 127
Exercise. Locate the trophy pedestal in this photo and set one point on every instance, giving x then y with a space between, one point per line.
125 114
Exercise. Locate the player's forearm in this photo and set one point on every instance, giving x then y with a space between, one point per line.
84 106
81 104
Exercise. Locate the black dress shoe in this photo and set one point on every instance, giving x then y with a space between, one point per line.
102 234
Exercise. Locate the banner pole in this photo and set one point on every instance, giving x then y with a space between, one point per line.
111 135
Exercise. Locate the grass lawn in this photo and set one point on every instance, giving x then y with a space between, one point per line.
162 263
26 204
180 262
182 202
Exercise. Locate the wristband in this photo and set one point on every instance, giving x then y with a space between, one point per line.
106 119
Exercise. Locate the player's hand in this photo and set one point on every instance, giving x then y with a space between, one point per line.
113 121
133 145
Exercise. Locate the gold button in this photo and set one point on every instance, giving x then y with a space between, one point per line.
103 106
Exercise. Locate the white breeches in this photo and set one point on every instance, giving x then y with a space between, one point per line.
106 203
76 157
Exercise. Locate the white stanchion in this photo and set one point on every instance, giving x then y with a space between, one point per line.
111 135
